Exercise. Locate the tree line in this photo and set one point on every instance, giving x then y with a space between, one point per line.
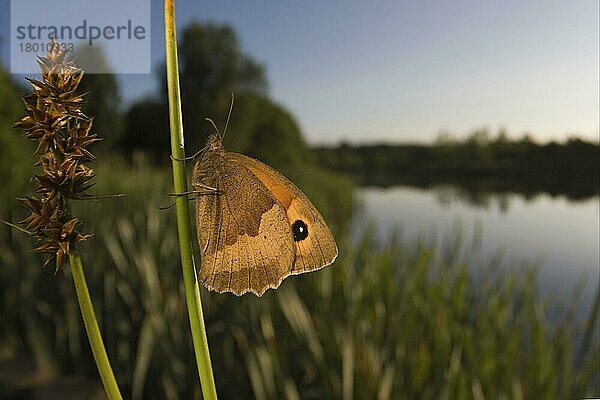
498 163
213 66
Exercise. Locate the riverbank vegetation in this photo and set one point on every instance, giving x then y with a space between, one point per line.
386 319
480 162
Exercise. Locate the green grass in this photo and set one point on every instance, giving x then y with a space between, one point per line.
385 321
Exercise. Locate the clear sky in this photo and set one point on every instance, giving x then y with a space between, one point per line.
391 70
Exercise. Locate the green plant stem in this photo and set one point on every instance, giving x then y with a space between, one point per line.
91 327
184 229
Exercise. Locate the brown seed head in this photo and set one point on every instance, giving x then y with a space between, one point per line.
54 120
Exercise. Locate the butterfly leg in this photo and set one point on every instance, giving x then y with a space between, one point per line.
207 187
189 158
209 190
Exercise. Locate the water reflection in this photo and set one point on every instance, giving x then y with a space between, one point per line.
555 232
498 193
447 195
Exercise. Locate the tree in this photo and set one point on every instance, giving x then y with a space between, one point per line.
147 129
268 132
212 67
479 137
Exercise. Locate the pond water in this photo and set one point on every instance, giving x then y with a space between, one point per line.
559 235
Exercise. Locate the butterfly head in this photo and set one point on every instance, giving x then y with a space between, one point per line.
214 143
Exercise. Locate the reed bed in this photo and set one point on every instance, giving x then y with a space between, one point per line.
386 321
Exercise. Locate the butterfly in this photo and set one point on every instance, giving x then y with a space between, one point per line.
255 227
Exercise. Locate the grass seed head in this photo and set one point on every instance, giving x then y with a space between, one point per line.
55 121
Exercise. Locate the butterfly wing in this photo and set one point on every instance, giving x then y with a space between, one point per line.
243 231
318 248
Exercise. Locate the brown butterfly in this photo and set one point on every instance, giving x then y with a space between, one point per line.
255 227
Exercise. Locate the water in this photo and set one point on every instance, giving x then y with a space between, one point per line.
559 235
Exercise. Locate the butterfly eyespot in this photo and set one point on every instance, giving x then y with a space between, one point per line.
300 230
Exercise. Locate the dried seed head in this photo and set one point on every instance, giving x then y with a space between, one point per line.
63 132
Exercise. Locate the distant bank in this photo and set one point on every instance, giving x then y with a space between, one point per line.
571 168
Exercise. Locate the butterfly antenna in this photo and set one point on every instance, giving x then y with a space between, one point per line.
228 115
213 124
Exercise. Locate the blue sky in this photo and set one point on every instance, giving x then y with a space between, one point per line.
401 71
